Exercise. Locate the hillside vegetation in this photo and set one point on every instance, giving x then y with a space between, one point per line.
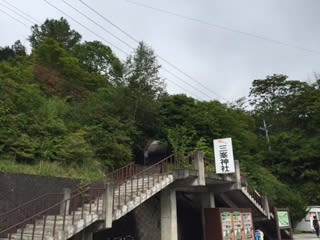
73 108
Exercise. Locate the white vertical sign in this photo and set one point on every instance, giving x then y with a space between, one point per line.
223 154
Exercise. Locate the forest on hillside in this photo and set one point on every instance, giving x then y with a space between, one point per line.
75 104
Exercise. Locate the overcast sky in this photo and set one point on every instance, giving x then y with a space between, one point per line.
216 55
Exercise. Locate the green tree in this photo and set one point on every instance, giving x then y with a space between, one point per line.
17 49
109 135
292 108
210 120
61 73
99 58
58 30
142 73
140 89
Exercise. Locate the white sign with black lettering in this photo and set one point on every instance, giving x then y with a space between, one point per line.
223 154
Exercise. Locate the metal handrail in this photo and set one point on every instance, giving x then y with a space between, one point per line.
73 204
118 177
141 181
250 190
255 195
123 173
28 209
28 203
28 206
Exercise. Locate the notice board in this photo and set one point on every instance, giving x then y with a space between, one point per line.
229 224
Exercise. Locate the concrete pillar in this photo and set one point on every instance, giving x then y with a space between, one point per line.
107 205
238 174
207 201
198 163
65 205
87 234
265 205
169 226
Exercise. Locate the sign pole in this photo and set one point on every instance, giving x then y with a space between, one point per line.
291 233
277 223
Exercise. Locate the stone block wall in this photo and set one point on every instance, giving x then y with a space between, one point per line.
147 219
17 189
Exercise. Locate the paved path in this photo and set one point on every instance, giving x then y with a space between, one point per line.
305 236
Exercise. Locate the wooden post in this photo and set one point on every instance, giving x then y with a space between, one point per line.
277 223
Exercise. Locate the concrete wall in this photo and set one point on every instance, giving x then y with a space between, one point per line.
143 223
16 189
122 229
147 219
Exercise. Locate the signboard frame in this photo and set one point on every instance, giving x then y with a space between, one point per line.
223 154
283 222
283 219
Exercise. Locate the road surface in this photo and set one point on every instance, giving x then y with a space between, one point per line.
305 236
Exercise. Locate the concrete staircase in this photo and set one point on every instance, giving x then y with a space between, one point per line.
126 205
263 208
126 189
81 210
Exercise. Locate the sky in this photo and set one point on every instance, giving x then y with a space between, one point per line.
208 49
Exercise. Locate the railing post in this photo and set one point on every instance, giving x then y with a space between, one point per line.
237 173
108 205
198 164
265 205
65 205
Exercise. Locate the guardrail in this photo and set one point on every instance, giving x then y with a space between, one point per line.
255 195
28 209
51 204
73 207
134 182
258 198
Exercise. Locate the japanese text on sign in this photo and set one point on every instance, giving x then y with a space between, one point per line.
223 155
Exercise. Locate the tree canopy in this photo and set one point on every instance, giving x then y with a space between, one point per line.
58 30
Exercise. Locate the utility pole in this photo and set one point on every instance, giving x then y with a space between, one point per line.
265 128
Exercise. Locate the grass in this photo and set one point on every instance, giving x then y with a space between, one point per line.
89 173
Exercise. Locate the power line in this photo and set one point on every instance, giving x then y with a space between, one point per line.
225 28
109 21
17 20
166 70
124 52
184 89
22 12
104 29
179 70
88 29
99 25
14 11
163 59
50 72
114 45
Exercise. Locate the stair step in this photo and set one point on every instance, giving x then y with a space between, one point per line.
27 236
39 229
